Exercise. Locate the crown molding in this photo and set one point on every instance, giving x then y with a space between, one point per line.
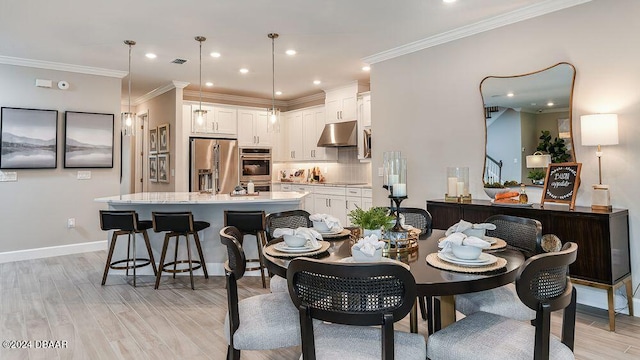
159 91
50 65
306 99
495 22
180 84
234 98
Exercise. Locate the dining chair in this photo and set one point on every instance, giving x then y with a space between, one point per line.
522 234
291 219
261 322
250 222
544 286
360 302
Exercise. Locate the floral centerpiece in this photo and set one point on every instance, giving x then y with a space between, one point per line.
372 221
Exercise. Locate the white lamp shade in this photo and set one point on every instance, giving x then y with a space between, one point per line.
538 161
599 129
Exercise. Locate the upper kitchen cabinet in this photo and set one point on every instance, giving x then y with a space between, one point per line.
313 121
220 120
342 103
253 128
364 125
295 140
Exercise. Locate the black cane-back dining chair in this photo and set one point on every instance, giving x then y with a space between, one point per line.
522 234
260 322
542 284
361 302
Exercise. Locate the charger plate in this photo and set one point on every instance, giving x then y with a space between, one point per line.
435 261
273 251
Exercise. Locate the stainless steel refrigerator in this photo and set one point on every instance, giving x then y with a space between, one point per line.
214 165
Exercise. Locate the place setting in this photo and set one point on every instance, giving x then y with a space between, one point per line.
478 231
328 226
297 242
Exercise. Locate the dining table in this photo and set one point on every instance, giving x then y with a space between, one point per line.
430 281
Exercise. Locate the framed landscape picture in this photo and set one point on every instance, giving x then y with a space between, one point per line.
28 138
163 168
153 141
88 140
153 168
163 138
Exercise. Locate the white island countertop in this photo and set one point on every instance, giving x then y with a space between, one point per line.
201 198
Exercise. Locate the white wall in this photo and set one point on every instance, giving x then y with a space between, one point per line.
428 106
35 208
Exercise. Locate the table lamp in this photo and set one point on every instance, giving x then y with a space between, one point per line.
538 161
597 130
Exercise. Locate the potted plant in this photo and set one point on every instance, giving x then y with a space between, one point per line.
556 148
537 176
372 221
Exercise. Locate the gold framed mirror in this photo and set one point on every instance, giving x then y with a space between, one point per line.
527 124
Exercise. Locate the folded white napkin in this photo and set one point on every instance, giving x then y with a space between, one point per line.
368 245
307 233
332 222
459 238
462 226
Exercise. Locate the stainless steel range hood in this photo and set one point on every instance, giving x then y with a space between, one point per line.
339 135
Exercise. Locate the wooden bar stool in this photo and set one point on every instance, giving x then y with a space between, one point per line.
125 222
250 223
177 224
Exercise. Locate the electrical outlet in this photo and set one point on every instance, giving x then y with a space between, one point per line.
84 175
380 171
8 176
71 223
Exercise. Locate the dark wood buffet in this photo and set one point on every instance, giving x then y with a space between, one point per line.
602 237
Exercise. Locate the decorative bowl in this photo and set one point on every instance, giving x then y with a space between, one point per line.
479 233
466 252
492 192
320 226
359 256
294 241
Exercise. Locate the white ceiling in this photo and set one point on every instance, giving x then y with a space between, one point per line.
332 37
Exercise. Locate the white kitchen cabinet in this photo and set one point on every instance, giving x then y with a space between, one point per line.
226 120
308 201
295 136
253 128
364 110
276 187
367 199
280 139
331 200
352 204
220 120
313 121
342 103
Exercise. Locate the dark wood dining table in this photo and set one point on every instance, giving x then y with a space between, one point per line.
430 281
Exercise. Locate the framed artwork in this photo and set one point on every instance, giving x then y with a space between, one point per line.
163 138
153 141
163 168
88 140
153 168
28 138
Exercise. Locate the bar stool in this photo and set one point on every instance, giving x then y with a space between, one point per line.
250 223
177 224
125 222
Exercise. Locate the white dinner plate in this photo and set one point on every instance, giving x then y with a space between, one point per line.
484 259
335 230
349 260
282 246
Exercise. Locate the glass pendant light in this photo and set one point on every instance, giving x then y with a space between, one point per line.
128 117
274 114
199 115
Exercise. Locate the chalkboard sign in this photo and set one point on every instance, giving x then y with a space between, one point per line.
561 183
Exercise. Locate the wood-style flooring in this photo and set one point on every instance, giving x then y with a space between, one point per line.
60 299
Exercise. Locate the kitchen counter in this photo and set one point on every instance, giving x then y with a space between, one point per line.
205 207
340 183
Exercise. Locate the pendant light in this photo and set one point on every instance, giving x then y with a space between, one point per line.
199 115
128 117
274 114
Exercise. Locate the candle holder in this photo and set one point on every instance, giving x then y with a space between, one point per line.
457 185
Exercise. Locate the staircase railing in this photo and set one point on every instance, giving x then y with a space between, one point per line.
492 170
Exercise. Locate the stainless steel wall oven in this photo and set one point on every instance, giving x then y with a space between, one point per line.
256 165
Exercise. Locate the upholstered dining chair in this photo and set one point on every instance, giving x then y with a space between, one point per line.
291 219
522 234
361 302
542 284
260 322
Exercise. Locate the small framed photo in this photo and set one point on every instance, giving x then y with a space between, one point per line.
163 168
163 138
153 168
28 138
153 141
88 140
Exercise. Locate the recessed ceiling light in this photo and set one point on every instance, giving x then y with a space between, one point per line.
278 92
151 55
366 68
244 71
209 84
215 54
291 52
510 94
550 103
448 1
317 82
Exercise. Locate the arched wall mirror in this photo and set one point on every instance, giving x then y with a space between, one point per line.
525 115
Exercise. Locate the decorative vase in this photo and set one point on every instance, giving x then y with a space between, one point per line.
369 232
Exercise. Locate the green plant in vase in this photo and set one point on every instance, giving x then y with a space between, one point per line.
556 148
537 176
371 221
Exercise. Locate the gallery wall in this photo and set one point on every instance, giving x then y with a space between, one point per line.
36 207
428 106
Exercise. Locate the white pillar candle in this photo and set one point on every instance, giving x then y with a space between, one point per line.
393 179
451 186
460 188
400 189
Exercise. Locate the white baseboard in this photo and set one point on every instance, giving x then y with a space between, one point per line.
598 298
45 252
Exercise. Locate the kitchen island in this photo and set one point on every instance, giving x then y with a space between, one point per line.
205 207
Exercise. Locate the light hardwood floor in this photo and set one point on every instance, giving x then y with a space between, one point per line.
60 298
